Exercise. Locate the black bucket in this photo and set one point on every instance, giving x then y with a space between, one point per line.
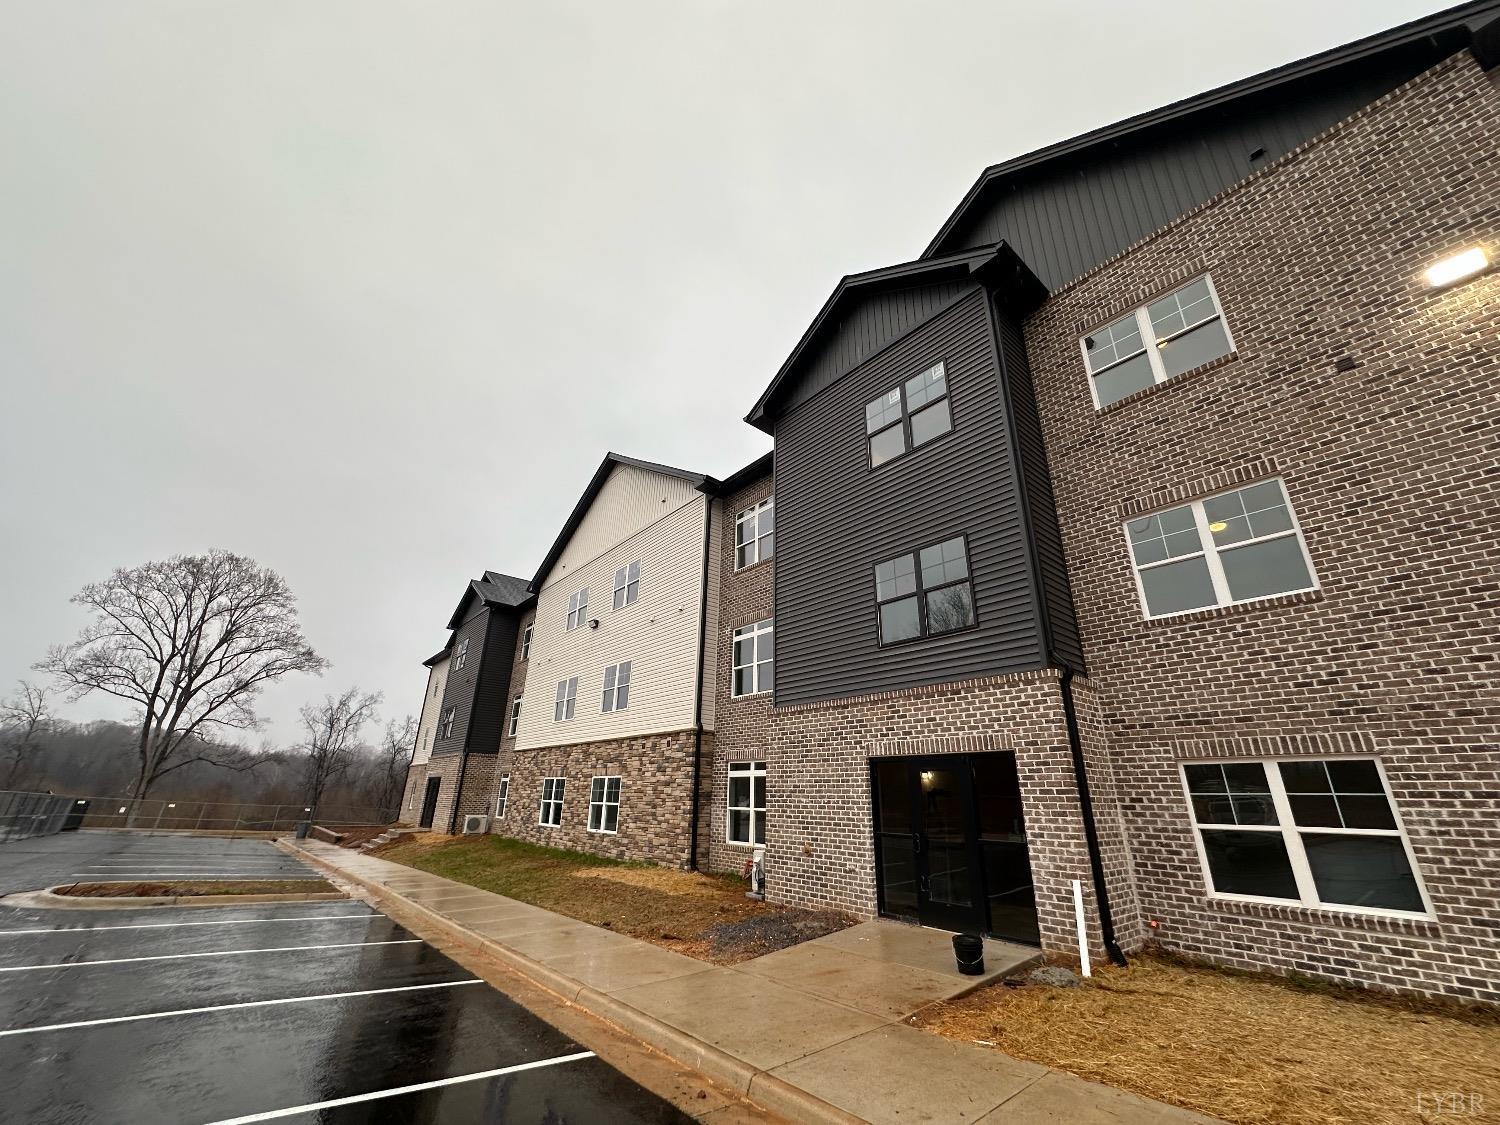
303 827
968 951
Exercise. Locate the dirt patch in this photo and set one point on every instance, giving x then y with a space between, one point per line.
197 889
357 835
1247 1048
702 915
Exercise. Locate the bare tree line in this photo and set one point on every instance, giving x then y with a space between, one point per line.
189 643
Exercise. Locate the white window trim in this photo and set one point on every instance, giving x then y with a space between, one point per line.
567 699
526 644
751 770
752 515
502 796
445 722
1291 839
578 609
461 655
515 717
543 801
1151 341
757 630
623 583
602 805
610 700
1211 553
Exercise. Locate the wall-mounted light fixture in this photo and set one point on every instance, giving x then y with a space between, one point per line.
1457 267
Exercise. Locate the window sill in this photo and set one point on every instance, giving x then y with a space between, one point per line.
1147 392
1304 597
1414 925
739 844
754 566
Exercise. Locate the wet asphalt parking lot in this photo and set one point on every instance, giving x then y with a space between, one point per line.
317 1011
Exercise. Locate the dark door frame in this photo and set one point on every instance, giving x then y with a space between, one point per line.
430 800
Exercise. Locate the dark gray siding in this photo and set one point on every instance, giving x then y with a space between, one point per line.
1073 213
1061 624
836 518
868 328
479 689
462 685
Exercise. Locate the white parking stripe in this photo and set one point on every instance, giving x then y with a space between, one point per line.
170 925
230 1007
396 1091
213 953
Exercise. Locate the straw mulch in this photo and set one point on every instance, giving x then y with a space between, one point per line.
1247 1048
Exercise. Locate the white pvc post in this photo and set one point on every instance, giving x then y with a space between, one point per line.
1083 936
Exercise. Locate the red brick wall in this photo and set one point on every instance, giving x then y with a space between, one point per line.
1391 469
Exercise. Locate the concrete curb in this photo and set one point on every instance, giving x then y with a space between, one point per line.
761 1086
49 899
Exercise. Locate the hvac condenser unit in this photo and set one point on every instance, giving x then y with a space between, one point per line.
476 824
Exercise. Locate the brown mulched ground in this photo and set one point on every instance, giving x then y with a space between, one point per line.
1243 1047
189 889
701 915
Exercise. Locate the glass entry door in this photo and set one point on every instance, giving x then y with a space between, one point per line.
927 842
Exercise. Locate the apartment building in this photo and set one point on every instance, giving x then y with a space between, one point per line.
1134 537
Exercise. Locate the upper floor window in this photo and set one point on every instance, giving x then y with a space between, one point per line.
755 534
502 796
526 643
908 415
755 657
1320 832
1234 547
925 593
627 585
445 730
578 609
567 700
617 687
515 718
1155 342
461 654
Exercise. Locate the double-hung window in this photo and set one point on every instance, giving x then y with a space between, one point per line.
925 593
578 609
604 805
1234 547
461 655
567 699
502 796
445 728
526 643
549 811
616 687
755 658
627 585
515 718
908 415
1182 330
1320 832
746 823
755 534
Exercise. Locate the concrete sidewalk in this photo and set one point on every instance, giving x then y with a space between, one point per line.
813 1032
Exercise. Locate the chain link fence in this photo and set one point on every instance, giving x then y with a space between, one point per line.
41 814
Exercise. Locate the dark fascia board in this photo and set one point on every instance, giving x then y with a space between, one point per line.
1460 21
760 467
435 657
997 264
596 482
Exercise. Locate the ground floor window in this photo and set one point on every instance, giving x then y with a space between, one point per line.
747 803
1323 832
604 805
549 813
502 796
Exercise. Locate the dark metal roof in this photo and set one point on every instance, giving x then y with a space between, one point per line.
760 467
596 482
1461 25
997 264
492 589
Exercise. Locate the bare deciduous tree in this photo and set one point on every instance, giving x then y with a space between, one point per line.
24 718
395 754
333 730
190 641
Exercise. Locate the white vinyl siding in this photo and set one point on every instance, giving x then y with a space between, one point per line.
657 633
432 705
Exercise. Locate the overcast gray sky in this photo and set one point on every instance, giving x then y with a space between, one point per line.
365 289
